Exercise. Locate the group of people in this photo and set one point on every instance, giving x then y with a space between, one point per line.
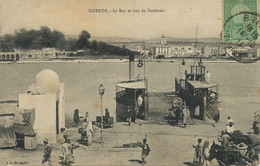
201 155
67 151
226 141
133 112
87 131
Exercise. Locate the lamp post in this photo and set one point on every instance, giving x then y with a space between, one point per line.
101 90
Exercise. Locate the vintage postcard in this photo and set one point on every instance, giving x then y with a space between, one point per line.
151 82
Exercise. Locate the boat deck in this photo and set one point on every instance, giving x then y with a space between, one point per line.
202 85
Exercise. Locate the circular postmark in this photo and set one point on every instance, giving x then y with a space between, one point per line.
240 32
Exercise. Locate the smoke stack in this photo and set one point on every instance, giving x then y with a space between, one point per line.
131 67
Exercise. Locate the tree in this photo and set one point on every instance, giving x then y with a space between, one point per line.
71 44
7 42
83 42
46 36
58 40
94 45
23 38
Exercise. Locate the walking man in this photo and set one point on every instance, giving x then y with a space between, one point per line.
145 150
46 153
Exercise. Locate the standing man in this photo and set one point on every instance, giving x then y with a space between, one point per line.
198 152
84 129
140 101
129 115
107 112
177 112
207 78
230 128
205 154
89 131
139 106
184 115
76 117
46 153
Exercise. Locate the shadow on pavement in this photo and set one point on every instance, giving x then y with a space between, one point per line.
136 161
188 163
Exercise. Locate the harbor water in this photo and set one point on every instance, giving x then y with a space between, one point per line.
239 85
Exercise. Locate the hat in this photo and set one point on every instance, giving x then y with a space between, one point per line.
106 109
45 140
242 146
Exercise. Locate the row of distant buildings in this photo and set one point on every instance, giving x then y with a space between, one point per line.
164 50
46 53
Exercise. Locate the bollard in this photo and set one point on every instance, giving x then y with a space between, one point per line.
131 141
116 141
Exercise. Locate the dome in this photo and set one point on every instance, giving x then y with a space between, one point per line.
48 80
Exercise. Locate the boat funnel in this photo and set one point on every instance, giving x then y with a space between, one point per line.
131 67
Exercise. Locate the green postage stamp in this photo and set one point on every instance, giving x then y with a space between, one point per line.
240 19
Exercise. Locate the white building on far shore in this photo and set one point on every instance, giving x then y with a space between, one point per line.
164 50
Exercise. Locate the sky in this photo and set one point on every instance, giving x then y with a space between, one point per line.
179 19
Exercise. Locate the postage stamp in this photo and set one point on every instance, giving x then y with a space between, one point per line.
241 30
238 26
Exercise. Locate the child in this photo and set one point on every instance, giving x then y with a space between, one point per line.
145 150
67 152
198 151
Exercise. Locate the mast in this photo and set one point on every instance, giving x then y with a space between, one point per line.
146 86
195 54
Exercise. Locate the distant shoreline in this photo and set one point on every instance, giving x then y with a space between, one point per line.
113 61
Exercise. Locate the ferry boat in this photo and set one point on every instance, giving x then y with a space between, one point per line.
200 96
127 93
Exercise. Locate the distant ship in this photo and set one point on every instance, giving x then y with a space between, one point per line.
198 94
127 93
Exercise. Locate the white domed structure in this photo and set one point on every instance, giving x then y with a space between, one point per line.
48 80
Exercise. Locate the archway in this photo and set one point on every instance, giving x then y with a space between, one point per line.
3 57
17 57
7 57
